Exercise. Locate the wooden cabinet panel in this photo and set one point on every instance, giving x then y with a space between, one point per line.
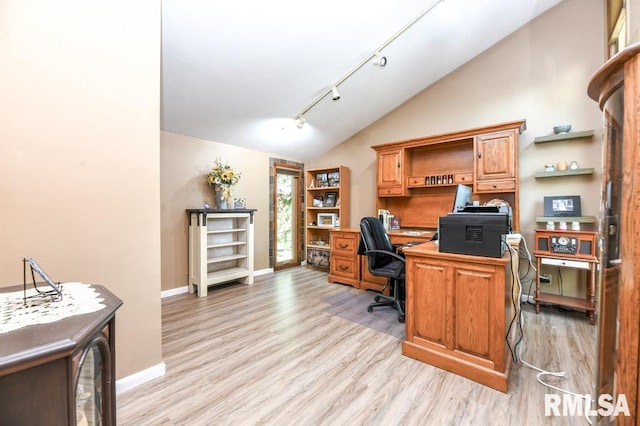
430 321
390 173
472 295
495 156
344 265
457 313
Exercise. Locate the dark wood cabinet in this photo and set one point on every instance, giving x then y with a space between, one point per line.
61 373
616 87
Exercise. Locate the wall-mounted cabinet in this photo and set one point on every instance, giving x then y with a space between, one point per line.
389 175
495 162
417 178
327 208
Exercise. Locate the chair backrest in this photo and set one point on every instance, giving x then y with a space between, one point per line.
374 237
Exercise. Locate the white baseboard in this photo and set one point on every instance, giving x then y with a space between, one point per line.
185 289
173 292
263 272
136 379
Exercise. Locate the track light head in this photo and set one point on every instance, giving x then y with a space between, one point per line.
379 60
335 94
300 121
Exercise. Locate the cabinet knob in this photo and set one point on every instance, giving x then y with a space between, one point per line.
479 154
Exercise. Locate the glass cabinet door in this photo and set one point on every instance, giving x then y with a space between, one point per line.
90 387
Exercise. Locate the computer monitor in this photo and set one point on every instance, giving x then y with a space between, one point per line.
462 198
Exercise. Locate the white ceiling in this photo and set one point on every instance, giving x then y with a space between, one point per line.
238 72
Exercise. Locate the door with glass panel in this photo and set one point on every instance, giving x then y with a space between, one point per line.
287 216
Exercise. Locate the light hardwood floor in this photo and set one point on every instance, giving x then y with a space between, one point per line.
293 349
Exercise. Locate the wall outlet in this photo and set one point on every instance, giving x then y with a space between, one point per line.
545 279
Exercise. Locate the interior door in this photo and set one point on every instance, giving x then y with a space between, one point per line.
287 216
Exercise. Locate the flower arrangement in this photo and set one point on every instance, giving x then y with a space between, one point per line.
222 174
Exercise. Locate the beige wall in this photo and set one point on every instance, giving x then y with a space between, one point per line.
540 73
79 162
184 163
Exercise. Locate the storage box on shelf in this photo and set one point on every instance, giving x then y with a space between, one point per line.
220 247
327 208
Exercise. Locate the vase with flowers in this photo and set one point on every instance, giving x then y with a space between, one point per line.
222 178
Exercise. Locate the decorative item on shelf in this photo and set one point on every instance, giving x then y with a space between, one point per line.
239 203
221 178
573 165
327 219
562 226
322 180
561 166
206 205
550 226
575 226
563 128
329 199
549 168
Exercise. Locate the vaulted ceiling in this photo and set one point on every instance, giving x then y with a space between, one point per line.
239 72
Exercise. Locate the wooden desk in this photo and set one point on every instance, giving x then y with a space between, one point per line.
346 267
458 309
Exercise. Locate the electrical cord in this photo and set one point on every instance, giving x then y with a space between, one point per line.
542 372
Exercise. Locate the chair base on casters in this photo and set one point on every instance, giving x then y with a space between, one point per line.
388 301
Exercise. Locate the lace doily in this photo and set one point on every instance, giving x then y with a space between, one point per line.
77 298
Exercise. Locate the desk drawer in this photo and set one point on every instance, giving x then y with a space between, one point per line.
345 267
496 186
395 191
344 244
566 263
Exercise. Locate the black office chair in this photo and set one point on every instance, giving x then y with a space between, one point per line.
383 261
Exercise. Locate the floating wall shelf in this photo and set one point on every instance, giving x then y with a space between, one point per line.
564 136
560 173
581 219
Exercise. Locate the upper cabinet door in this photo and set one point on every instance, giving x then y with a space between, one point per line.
495 156
390 173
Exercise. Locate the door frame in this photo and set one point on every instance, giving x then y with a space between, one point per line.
297 170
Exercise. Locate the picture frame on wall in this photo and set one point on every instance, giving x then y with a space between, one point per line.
330 199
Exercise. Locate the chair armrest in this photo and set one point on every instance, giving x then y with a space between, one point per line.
397 256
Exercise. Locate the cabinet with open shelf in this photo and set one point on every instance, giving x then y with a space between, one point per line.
220 247
327 208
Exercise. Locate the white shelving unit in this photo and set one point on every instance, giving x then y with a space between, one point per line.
220 248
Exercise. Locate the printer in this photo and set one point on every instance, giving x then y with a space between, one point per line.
475 230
